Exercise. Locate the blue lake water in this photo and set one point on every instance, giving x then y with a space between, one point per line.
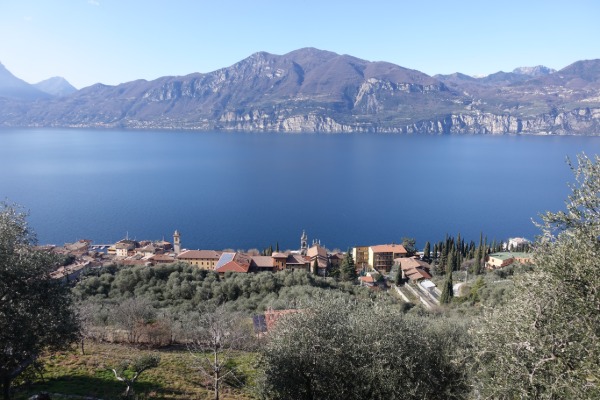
245 190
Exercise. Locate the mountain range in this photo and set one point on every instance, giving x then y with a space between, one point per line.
311 90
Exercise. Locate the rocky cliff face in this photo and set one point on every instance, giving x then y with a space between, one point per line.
310 90
576 122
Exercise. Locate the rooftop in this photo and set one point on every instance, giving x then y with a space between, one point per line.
316 251
297 259
408 263
199 254
262 261
161 257
389 248
504 255
233 262
414 268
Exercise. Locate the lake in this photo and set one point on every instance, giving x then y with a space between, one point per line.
250 190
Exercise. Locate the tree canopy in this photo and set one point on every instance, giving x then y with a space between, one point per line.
545 343
35 310
336 349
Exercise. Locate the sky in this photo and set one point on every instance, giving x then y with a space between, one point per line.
116 41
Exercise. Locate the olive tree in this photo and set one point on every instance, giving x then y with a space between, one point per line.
35 310
545 344
338 349
215 337
129 371
132 315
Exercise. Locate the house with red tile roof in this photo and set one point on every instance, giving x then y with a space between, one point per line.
413 269
291 261
148 250
262 263
316 252
366 280
161 259
233 262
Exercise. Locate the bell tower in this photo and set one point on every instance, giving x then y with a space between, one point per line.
303 243
177 242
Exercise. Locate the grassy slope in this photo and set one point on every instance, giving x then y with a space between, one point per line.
71 373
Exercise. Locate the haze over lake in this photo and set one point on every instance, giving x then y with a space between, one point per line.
245 190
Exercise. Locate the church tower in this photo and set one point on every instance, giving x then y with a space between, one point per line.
303 243
177 242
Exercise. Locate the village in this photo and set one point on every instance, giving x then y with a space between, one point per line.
374 264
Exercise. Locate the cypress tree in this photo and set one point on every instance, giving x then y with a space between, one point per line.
398 280
427 251
315 267
347 268
486 248
451 263
333 270
478 256
477 260
443 259
448 291
471 252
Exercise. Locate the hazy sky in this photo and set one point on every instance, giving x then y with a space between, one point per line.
115 41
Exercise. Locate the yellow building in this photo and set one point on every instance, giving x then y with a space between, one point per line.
381 257
503 259
203 259
124 247
360 254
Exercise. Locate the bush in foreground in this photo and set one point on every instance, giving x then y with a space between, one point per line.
342 350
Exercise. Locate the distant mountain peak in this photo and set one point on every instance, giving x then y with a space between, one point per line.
538 70
56 86
457 76
15 88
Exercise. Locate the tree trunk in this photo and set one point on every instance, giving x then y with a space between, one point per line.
6 387
127 391
216 374
82 347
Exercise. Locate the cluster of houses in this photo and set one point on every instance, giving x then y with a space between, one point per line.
132 252
371 261
232 261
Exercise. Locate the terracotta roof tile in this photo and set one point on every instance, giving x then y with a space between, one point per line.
316 250
389 248
415 269
233 262
262 262
161 257
199 254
